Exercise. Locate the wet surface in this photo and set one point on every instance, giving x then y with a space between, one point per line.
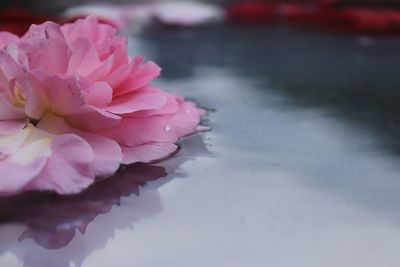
301 167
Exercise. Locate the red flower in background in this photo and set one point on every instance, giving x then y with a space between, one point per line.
326 14
19 20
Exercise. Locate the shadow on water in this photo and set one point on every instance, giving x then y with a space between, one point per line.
59 225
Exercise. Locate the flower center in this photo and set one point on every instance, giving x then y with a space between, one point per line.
34 121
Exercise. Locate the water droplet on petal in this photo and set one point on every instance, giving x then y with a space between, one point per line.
167 128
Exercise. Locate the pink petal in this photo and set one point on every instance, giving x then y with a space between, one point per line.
12 126
10 69
147 152
88 28
98 95
112 62
89 118
171 105
7 38
101 35
40 54
9 111
46 30
37 102
13 84
84 58
133 102
23 155
138 131
14 176
68 169
24 145
106 152
119 75
53 93
140 76
160 128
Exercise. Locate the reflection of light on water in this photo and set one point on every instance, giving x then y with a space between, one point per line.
285 180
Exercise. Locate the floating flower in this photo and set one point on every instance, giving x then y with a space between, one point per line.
74 106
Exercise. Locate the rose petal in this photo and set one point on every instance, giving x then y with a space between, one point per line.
7 38
106 152
84 58
46 30
134 102
98 95
161 128
40 54
53 93
23 157
15 176
88 28
171 105
12 126
140 76
147 152
89 118
68 169
8 111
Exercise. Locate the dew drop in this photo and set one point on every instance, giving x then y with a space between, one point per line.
167 128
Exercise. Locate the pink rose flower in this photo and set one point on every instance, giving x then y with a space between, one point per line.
74 106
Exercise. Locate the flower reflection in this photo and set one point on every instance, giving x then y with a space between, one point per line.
52 220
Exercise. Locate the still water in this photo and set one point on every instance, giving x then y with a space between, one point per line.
300 168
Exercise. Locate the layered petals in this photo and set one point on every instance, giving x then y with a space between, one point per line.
106 152
23 156
135 131
53 156
74 106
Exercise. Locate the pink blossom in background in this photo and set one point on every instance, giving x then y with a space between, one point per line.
134 16
74 106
